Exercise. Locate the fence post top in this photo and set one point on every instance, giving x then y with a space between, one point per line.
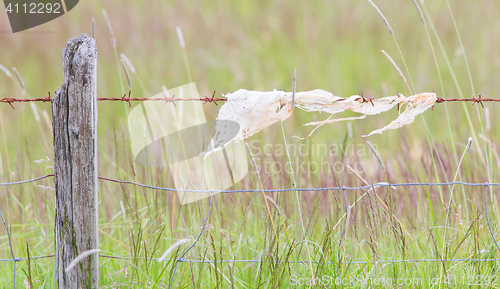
82 37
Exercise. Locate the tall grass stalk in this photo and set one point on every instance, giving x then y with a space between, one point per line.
485 159
262 188
428 132
282 217
394 65
127 76
450 131
430 140
478 112
112 39
134 72
448 208
6 71
33 107
397 45
455 80
472 88
21 82
6 148
180 36
304 231
381 201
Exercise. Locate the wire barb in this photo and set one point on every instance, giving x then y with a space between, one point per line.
127 99
477 100
210 99
397 93
47 98
169 99
367 99
8 100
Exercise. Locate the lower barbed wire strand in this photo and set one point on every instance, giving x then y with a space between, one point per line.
266 261
272 190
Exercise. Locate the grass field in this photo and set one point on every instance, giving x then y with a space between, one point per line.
256 45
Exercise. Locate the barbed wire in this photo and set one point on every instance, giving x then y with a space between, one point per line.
486 185
473 99
211 99
124 98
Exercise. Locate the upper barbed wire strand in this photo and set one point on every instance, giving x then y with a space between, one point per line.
206 99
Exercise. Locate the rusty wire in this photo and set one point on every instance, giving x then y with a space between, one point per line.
124 98
213 99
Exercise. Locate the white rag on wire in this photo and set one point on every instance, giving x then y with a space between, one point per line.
256 110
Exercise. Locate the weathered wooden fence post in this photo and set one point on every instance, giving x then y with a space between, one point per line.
74 111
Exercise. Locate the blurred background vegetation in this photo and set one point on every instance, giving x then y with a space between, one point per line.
334 45
256 45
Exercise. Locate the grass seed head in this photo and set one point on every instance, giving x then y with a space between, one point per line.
394 64
127 62
274 204
469 144
181 37
93 27
376 154
126 74
21 82
420 13
382 16
172 248
110 29
5 70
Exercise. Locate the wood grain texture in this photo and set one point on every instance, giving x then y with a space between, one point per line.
74 111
